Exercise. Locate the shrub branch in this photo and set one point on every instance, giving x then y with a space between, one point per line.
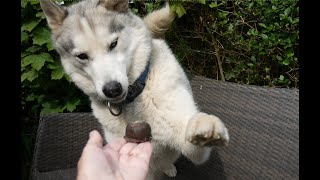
216 50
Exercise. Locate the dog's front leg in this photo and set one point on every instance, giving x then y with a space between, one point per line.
202 132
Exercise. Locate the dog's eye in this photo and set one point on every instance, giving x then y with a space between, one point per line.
83 56
113 44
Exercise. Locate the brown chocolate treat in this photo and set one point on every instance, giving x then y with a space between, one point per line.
138 132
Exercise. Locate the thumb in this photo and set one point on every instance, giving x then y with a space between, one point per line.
95 139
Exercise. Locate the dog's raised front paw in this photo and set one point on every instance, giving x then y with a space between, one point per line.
207 130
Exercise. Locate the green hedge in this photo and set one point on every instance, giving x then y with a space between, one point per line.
251 42
45 87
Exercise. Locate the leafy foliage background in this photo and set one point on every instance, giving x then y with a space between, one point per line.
251 42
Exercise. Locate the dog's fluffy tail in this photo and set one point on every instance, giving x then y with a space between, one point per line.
159 21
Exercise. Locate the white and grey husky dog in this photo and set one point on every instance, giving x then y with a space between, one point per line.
131 75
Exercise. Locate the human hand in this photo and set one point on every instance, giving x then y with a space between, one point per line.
118 160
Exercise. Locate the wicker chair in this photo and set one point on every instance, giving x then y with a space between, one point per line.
263 124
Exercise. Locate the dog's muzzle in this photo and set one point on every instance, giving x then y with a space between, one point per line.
112 89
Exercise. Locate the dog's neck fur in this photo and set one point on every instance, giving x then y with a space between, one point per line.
140 61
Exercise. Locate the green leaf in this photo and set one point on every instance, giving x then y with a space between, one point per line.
295 21
30 25
57 73
223 14
262 25
286 62
260 2
223 22
282 16
36 61
48 111
24 37
40 59
30 75
281 78
180 11
26 61
67 77
230 27
24 76
287 11
41 15
53 66
50 45
60 2
135 11
202 1
264 36
34 2
229 75
279 57
290 54
40 98
41 36
33 49
274 7
269 28
24 3
213 4
250 5
71 105
24 54
30 97
253 59
38 64
49 108
253 32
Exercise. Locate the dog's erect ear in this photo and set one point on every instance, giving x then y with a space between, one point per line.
159 21
55 14
115 5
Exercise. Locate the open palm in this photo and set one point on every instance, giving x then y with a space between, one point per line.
117 160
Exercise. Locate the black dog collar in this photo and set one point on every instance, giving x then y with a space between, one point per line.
137 87
134 91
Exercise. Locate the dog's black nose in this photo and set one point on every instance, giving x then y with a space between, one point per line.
112 89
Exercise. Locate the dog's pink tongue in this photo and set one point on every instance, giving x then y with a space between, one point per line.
138 132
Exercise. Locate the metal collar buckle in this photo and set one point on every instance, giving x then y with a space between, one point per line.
111 111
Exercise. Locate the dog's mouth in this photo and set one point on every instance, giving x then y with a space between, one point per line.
118 99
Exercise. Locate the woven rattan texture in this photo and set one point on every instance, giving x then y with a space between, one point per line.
263 124
61 174
61 139
264 129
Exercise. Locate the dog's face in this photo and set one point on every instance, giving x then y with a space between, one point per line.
103 46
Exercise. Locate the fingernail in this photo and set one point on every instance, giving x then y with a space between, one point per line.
91 134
